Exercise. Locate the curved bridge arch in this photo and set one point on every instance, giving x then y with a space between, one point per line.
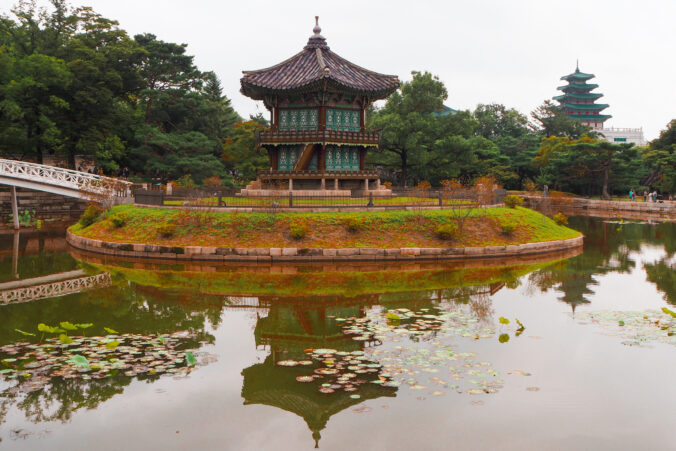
65 182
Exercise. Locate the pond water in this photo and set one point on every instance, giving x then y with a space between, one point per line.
555 352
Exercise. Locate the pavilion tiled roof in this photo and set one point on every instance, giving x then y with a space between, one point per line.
313 66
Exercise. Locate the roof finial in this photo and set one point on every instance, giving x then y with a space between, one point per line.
577 65
316 29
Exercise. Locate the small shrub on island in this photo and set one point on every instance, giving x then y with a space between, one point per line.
118 220
297 231
446 231
513 201
560 219
353 225
90 215
507 229
166 230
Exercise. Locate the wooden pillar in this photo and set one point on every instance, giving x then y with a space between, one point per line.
335 184
378 183
362 158
290 184
274 159
275 121
366 184
15 255
322 118
362 119
15 208
323 184
321 163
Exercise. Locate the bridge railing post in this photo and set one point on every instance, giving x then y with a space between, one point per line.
15 208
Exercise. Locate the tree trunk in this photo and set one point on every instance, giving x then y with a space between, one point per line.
404 169
605 194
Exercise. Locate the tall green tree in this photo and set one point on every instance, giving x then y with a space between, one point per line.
588 165
660 160
409 127
551 120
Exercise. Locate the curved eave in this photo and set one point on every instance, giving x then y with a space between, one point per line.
261 92
581 87
590 117
571 95
587 107
578 76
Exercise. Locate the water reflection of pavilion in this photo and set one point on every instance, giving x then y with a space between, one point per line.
291 326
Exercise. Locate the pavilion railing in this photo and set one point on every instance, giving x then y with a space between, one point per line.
369 137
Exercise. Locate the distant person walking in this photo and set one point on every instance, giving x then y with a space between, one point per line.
631 194
645 196
545 191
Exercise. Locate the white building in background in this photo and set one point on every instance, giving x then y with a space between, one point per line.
623 135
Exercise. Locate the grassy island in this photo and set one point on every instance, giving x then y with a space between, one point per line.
364 229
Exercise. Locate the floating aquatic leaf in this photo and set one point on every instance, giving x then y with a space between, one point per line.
79 360
112 344
355 396
68 325
287 363
305 378
362 409
669 312
190 358
42 327
28 334
503 320
65 339
6 371
503 338
532 389
109 330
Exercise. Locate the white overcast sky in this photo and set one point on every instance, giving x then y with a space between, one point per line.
504 51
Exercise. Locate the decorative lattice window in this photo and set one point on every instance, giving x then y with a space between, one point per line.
342 158
298 119
342 119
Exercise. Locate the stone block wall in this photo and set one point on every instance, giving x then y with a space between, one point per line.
46 205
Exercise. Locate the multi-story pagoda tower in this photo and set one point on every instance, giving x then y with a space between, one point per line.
317 139
578 100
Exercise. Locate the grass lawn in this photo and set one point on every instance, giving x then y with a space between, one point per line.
377 229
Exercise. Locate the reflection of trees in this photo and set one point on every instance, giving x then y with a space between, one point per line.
663 275
127 309
63 397
607 249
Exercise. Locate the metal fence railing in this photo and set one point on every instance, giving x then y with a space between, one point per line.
223 198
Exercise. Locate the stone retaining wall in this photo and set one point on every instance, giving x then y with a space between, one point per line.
665 208
292 254
46 205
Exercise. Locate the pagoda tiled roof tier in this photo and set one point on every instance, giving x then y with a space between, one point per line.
578 86
577 75
315 66
579 96
590 117
586 107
